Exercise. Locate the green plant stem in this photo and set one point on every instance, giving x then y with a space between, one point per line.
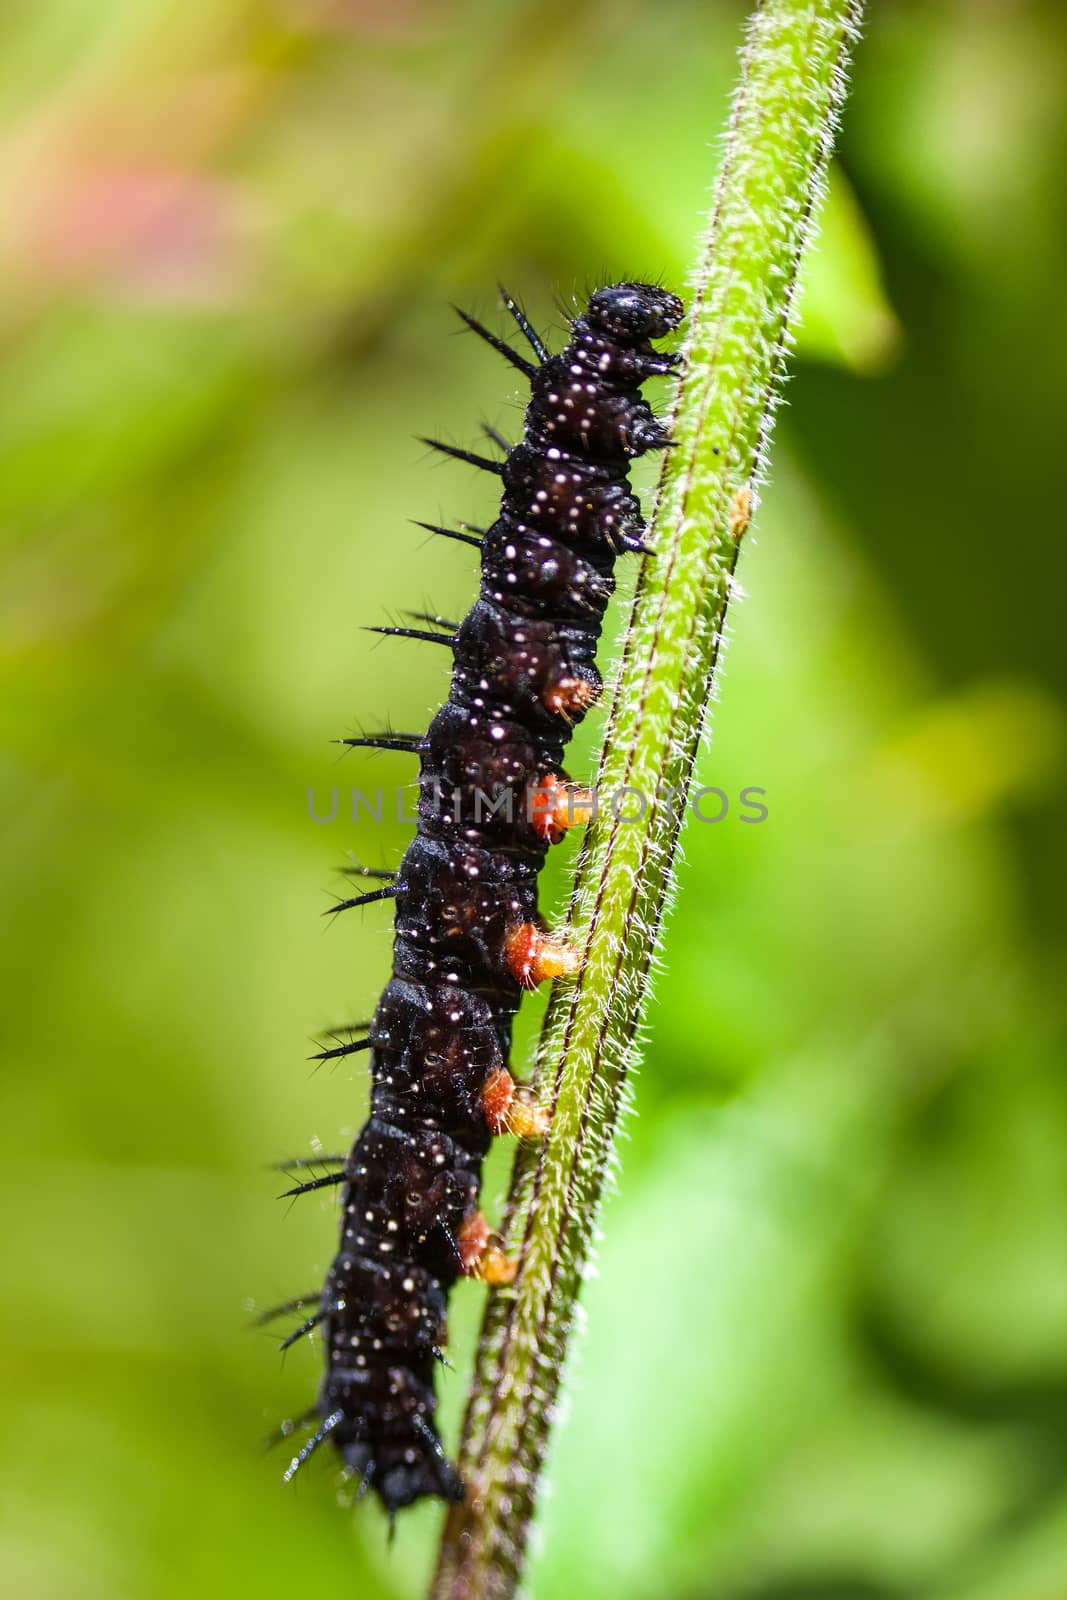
777 147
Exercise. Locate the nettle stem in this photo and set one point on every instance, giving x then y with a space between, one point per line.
778 144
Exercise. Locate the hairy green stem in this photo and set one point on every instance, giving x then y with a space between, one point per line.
778 143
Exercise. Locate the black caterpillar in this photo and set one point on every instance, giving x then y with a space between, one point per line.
492 797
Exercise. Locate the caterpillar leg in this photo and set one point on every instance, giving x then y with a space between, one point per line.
508 1110
555 805
534 956
480 1254
740 511
570 697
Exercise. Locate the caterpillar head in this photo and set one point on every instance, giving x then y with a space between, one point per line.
633 312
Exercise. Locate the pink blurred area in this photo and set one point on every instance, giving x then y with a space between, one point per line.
157 232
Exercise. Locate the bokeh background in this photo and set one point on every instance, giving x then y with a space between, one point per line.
825 1356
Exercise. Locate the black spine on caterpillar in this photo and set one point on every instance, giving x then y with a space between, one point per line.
467 927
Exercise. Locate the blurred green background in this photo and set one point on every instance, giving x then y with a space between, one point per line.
825 1356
